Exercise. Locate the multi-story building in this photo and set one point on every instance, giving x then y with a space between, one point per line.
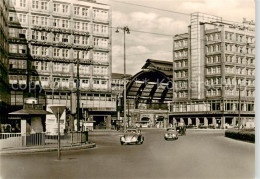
47 38
214 72
4 64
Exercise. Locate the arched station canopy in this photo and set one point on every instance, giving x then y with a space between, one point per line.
152 85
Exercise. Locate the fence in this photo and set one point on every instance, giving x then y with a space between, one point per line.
8 140
71 138
16 140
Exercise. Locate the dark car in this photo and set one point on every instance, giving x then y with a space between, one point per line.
171 134
132 136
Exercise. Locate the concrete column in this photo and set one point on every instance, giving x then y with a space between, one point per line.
108 122
197 121
23 132
223 121
206 122
189 121
214 122
234 121
181 120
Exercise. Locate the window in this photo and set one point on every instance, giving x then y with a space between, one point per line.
65 8
17 64
65 38
84 40
35 4
84 26
65 53
84 11
13 48
96 82
44 21
35 35
76 39
65 24
77 25
22 18
44 51
43 36
76 10
35 50
44 66
22 3
56 7
44 5
56 52
22 49
56 38
56 22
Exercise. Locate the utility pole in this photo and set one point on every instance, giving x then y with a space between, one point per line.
125 29
78 84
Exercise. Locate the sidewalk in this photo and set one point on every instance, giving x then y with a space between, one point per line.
46 148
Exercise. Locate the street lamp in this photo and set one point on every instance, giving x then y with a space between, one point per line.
126 30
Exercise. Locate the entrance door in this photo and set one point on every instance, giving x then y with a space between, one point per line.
100 122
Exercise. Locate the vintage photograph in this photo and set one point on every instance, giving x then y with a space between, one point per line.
127 89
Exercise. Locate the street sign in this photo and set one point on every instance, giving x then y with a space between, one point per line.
57 110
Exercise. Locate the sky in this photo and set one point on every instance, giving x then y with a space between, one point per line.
162 26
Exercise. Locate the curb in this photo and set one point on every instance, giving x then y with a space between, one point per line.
50 149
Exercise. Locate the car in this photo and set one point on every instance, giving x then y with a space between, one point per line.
132 136
171 134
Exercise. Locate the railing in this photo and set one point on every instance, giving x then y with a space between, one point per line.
8 140
16 140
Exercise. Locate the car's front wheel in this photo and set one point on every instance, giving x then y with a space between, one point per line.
122 143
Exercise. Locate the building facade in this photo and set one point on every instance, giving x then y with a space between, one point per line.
46 38
214 72
4 63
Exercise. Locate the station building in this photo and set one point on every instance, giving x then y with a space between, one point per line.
149 93
214 73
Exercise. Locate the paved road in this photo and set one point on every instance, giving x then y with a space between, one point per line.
199 154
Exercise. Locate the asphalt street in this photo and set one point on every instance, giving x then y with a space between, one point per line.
199 154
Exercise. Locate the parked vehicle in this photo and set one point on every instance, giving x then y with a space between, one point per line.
171 134
132 136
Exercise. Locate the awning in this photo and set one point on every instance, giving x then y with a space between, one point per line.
24 112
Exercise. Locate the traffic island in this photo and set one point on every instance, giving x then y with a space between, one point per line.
52 148
247 135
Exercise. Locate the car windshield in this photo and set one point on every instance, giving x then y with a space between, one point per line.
131 131
170 130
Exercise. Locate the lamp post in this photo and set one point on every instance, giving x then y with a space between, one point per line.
126 30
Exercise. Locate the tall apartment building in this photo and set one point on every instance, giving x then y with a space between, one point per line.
46 38
214 72
4 64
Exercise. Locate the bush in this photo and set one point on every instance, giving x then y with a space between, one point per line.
245 135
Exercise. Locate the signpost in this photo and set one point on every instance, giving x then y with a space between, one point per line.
57 111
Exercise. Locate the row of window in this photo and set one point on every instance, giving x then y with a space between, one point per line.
181 94
213 48
239 37
181 64
244 82
65 67
180 54
181 74
181 84
213 70
247 93
239 49
239 71
240 59
213 37
60 8
213 59
213 81
181 43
